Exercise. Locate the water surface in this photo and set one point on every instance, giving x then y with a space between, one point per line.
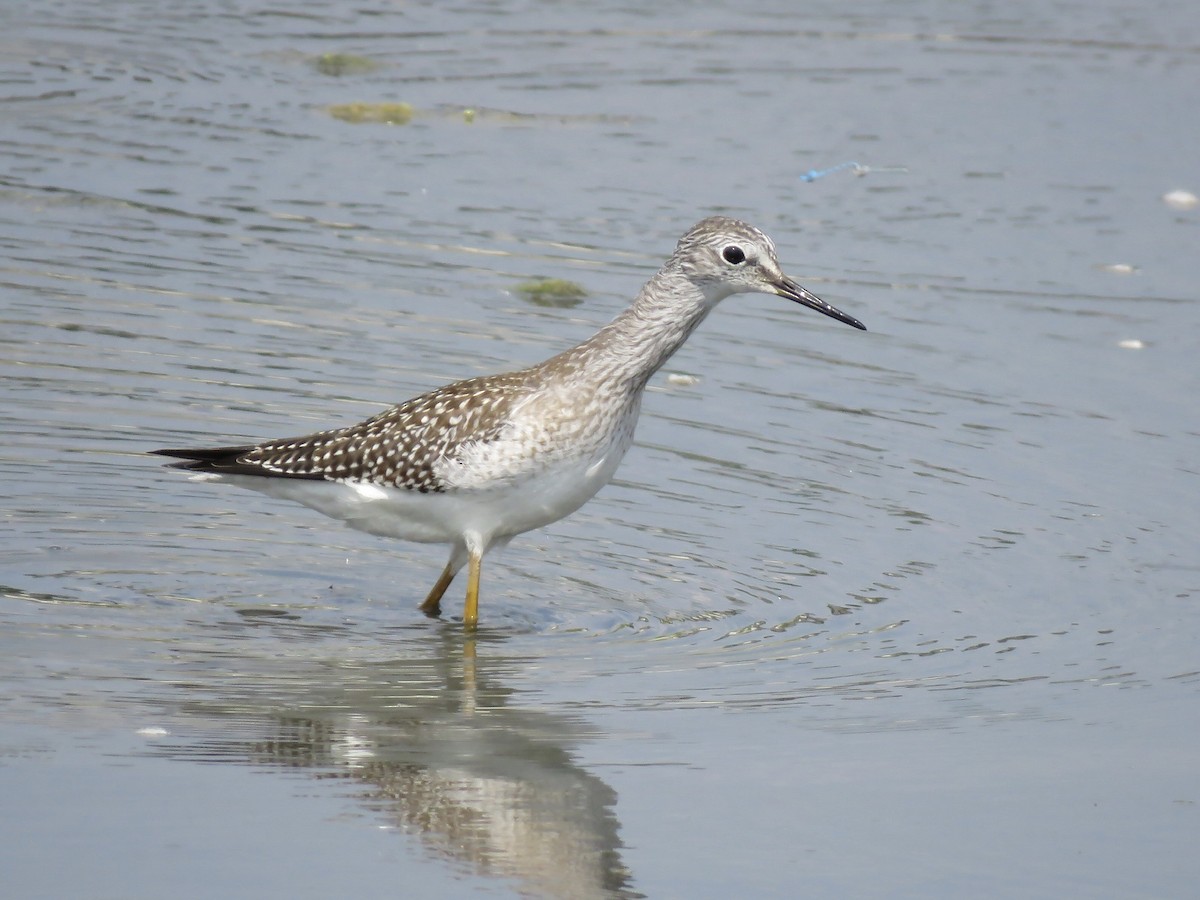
909 613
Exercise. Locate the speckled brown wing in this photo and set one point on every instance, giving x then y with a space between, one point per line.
399 447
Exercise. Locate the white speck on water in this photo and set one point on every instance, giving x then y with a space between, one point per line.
1180 199
1131 344
153 731
1118 268
681 380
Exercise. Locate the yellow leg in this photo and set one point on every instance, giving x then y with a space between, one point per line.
433 603
471 609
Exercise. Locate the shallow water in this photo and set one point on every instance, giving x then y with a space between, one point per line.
909 613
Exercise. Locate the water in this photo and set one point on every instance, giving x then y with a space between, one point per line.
909 613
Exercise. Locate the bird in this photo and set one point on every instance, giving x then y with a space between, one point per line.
479 461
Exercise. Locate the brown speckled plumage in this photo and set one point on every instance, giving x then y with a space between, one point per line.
397 448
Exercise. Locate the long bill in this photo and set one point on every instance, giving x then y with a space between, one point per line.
792 291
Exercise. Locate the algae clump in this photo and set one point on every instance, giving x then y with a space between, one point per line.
550 291
336 64
384 113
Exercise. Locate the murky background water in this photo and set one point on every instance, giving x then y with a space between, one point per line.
910 613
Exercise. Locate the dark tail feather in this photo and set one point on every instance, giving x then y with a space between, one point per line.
209 459
227 461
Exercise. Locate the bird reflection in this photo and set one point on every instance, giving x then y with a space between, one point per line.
486 786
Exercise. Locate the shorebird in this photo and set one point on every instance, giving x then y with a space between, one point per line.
479 461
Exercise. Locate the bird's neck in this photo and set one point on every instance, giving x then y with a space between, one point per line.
633 346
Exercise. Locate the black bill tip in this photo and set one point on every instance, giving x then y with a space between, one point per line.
792 291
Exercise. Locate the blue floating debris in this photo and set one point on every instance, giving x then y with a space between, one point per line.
859 169
814 174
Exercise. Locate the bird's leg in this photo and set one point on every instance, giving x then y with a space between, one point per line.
432 606
471 609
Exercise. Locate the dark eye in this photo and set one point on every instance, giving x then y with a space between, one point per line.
734 255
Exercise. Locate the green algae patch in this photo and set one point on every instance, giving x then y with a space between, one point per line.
403 113
338 64
379 113
550 292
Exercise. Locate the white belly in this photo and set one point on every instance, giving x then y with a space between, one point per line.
490 513
542 468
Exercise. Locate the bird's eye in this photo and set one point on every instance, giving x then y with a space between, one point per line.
734 255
